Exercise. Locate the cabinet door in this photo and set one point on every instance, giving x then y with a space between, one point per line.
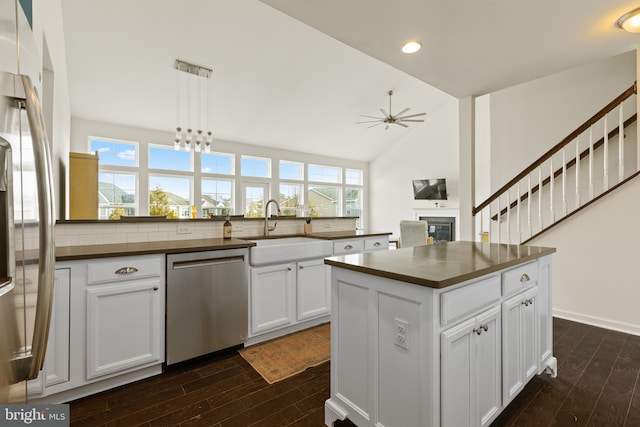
272 291
470 371
519 342
313 289
56 362
124 326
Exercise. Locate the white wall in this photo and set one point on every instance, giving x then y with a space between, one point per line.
594 269
430 150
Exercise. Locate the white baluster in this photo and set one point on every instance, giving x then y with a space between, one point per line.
551 183
499 217
509 216
577 173
621 146
529 204
564 181
605 147
590 162
518 213
540 196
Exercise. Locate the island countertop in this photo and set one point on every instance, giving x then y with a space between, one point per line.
441 265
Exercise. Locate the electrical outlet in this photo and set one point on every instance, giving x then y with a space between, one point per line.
183 229
401 333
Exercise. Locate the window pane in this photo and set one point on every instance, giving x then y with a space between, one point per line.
115 153
217 163
255 166
353 177
116 195
254 200
170 196
353 201
290 198
170 159
291 170
324 201
217 197
324 174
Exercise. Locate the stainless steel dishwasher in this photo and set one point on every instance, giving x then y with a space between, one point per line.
207 306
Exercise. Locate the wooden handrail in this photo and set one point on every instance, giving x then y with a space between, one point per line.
571 163
573 135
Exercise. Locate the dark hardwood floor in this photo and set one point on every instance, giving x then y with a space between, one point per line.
597 385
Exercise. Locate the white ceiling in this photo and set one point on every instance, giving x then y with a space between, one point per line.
301 84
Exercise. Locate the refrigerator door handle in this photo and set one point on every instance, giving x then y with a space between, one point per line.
44 179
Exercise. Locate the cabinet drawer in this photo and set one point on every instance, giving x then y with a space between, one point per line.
342 247
463 302
519 278
118 269
378 243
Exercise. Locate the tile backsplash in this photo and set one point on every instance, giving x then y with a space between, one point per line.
109 232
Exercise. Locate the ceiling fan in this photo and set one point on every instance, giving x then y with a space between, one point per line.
391 119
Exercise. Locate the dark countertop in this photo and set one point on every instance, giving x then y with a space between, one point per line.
69 253
441 265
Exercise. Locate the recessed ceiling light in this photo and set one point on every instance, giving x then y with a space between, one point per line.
411 46
630 21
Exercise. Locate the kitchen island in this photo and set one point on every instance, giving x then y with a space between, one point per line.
439 335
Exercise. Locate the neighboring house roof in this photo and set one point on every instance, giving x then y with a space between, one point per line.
112 194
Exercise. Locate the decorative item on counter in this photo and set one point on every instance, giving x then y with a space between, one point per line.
226 228
430 240
484 236
194 211
308 229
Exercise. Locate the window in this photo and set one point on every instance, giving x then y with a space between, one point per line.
170 159
324 201
255 166
219 163
117 195
217 197
254 199
116 153
353 177
324 174
291 170
170 196
290 198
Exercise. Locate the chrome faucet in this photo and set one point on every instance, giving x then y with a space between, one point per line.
267 229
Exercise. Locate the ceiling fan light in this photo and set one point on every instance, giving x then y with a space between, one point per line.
411 46
630 21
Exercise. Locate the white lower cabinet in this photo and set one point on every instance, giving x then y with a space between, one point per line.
313 289
471 371
519 342
123 326
272 297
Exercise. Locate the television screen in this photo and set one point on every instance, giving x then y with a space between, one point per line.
430 189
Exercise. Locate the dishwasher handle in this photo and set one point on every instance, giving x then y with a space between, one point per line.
179 265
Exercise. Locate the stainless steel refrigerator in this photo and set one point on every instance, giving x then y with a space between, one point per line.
26 210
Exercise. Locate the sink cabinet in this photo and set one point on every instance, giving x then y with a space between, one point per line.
313 289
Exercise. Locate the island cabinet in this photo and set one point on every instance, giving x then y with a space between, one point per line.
439 335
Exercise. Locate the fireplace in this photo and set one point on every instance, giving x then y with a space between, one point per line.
441 228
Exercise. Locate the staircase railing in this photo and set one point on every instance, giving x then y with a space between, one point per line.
513 215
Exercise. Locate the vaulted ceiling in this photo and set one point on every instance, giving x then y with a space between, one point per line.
297 74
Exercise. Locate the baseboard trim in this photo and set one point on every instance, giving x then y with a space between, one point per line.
600 322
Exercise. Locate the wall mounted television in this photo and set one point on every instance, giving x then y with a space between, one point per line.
430 189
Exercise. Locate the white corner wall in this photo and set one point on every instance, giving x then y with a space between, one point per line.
594 268
430 150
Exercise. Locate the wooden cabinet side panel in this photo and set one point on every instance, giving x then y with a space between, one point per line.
83 186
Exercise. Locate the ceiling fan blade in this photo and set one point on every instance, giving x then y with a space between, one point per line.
401 124
403 120
371 121
373 117
384 113
411 115
377 124
403 111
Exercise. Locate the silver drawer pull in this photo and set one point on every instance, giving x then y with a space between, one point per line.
126 270
155 288
527 302
377 244
479 330
525 277
348 247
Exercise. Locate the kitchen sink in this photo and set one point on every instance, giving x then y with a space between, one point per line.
286 249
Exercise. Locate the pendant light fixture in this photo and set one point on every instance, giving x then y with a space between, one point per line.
192 78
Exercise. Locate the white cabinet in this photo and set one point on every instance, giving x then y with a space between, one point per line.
313 289
272 297
56 366
360 244
470 371
124 326
519 342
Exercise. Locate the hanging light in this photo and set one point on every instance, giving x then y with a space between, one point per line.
185 70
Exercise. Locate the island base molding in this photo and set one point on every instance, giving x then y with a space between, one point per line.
415 356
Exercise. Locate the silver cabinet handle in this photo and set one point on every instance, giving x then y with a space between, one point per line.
289 268
376 244
479 330
528 302
348 247
301 267
525 277
126 270
155 288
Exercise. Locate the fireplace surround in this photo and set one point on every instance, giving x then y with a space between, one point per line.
441 228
